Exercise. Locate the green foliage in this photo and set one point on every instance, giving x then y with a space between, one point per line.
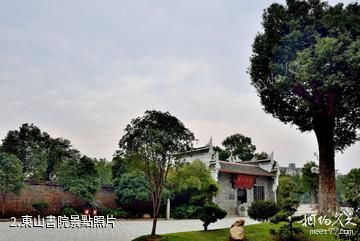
132 187
192 175
68 211
240 145
310 180
286 214
210 213
11 177
121 165
340 188
79 177
115 212
40 207
305 67
185 211
351 196
306 63
104 169
289 186
263 210
192 187
152 140
39 153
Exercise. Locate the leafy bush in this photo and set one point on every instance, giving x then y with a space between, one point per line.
185 212
263 210
115 212
287 231
210 213
68 211
40 207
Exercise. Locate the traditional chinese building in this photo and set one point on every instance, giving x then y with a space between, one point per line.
240 182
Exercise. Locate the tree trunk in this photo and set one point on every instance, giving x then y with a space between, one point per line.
324 131
156 208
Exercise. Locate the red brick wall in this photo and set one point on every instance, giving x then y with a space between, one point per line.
55 196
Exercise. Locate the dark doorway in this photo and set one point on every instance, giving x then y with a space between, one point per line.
241 195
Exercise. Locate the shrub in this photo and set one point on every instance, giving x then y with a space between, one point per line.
263 210
40 207
115 212
287 231
210 213
185 212
68 211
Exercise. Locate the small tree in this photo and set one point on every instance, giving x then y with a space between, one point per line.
153 140
210 213
286 214
11 177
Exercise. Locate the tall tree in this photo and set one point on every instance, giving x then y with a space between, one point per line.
306 69
240 146
11 177
154 138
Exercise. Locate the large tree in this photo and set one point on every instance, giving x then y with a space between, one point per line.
153 139
11 177
306 69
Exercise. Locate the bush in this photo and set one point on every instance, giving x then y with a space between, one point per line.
210 213
68 211
287 232
263 210
185 212
115 212
40 207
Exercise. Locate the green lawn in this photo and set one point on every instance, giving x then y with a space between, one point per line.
256 232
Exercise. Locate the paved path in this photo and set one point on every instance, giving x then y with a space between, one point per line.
125 230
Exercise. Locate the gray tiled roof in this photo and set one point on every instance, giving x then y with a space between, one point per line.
241 168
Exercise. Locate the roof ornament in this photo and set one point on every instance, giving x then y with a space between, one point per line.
272 155
231 158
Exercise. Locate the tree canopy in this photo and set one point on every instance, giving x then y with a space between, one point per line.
240 145
305 67
39 153
79 177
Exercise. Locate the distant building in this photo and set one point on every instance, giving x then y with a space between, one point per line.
291 170
240 182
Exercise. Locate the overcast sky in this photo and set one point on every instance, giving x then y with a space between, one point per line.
83 69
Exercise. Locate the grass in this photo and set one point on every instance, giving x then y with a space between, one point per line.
255 232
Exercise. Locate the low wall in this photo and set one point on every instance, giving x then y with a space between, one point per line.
55 196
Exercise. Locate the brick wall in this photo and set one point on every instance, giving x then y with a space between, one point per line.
55 196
